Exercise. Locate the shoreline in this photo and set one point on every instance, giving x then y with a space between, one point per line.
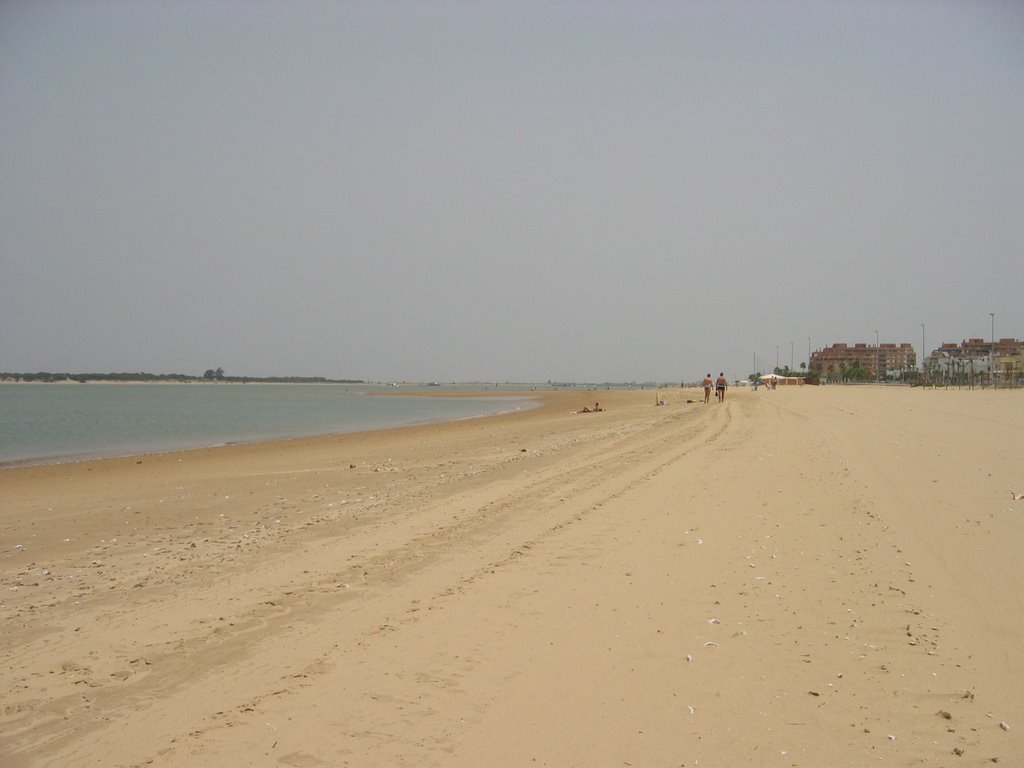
651 585
542 402
523 400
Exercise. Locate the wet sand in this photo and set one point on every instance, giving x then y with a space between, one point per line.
805 577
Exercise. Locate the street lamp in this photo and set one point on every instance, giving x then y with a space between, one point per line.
992 351
878 366
922 355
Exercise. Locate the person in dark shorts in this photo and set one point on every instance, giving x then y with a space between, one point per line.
720 385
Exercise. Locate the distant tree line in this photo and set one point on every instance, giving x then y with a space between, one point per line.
216 374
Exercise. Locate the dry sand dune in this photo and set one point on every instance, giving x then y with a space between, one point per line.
805 577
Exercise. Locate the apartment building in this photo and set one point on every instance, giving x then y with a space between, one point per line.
881 360
977 348
974 357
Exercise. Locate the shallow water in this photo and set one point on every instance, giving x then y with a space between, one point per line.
42 423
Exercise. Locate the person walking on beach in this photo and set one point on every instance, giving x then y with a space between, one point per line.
707 388
720 385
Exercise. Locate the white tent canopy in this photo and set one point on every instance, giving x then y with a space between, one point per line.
770 376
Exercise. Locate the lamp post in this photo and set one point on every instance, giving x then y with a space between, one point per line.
922 356
992 352
808 354
791 358
877 353
776 358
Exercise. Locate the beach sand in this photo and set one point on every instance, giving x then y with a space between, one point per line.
807 577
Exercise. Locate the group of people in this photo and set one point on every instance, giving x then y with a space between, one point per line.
720 384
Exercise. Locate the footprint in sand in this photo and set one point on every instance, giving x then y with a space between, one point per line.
300 760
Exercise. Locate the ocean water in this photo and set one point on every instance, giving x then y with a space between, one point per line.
46 423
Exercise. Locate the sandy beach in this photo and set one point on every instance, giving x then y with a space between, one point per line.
806 577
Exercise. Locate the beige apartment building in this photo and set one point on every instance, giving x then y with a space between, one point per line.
973 359
881 360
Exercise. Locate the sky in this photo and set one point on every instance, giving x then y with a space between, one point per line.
504 191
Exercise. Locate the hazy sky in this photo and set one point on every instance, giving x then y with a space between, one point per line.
588 191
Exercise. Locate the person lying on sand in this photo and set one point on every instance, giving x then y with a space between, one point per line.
597 407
